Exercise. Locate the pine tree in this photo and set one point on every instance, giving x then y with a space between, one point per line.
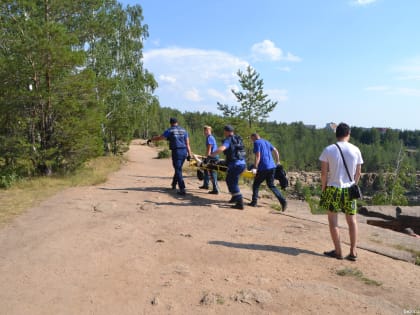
255 106
71 76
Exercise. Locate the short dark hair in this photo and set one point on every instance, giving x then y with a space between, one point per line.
228 128
342 130
173 120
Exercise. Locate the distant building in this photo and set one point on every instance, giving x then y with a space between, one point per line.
331 126
381 130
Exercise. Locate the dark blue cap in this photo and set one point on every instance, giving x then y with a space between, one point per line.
228 128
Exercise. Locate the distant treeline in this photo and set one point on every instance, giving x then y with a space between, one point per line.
300 145
391 157
73 87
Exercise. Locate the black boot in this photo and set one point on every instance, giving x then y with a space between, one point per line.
239 204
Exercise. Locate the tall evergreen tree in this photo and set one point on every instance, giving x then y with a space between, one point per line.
255 106
39 63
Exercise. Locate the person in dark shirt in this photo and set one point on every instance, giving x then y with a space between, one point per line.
179 144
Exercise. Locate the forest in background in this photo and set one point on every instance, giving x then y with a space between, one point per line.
73 87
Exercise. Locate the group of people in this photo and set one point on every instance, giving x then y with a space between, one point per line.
338 161
233 149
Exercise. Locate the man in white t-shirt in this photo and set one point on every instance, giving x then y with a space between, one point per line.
335 183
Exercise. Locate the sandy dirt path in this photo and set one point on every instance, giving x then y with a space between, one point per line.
132 246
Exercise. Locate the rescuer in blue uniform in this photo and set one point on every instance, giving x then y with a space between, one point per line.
234 150
265 167
179 144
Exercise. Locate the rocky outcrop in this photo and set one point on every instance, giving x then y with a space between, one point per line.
367 182
401 219
305 178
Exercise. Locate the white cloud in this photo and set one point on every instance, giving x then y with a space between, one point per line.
362 2
409 70
404 91
195 80
284 69
408 91
193 77
193 95
278 95
156 42
267 50
409 78
223 97
193 64
167 78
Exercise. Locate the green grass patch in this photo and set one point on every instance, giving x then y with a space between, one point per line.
415 253
164 154
313 203
276 207
356 273
28 193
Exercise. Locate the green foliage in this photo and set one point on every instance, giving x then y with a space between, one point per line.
413 252
354 272
73 86
164 154
311 195
72 83
255 106
7 180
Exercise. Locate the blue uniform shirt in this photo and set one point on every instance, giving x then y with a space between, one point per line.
266 158
212 141
177 137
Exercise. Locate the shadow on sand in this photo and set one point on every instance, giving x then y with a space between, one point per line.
278 249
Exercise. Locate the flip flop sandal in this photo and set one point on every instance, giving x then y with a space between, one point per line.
333 254
351 257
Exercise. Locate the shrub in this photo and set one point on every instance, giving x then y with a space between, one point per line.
164 154
8 179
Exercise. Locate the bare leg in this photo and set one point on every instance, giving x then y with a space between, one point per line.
335 232
352 223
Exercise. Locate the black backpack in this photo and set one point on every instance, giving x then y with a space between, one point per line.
236 150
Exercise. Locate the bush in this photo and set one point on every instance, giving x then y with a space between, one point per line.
7 180
164 154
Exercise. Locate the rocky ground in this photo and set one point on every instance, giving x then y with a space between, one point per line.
132 246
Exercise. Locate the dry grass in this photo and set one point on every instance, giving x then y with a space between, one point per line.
29 193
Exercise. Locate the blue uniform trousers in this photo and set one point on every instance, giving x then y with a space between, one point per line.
232 179
268 176
178 159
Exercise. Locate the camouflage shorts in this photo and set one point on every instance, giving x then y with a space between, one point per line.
337 199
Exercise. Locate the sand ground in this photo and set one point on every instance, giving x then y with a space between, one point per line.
132 246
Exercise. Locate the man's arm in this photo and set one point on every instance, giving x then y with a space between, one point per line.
324 175
276 155
208 151
358 173
187 142
218 151
158 138
257 159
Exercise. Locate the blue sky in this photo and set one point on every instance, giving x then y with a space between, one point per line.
356 61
